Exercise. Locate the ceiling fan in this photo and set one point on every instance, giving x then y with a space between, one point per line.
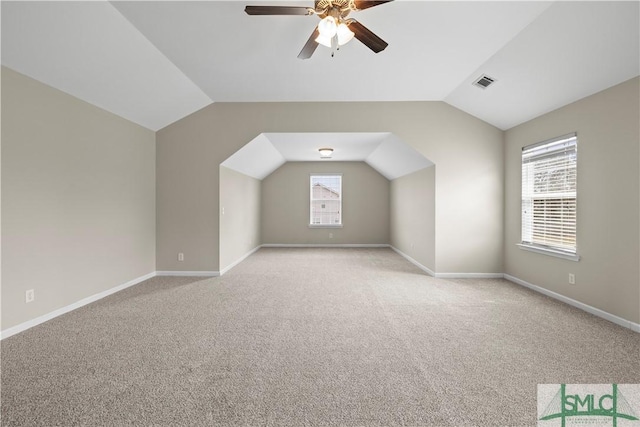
334 29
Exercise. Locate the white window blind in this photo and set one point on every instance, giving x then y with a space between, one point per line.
326 200
549 179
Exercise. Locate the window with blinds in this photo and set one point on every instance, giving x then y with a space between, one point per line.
326 200
549 179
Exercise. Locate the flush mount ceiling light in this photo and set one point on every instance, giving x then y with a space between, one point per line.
325 153
334 29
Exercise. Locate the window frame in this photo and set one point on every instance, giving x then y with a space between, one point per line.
527 225
311 223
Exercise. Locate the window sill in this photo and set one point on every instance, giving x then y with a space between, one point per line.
325 225
549 252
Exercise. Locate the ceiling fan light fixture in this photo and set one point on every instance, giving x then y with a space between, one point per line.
344 34
333 23
324 40
325 153
328 27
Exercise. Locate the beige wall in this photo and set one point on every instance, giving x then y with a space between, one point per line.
365 205
76 177
468 154
239 215
78 199
1 72
413 214
607 276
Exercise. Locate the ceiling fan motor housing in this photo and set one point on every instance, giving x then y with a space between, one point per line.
335 8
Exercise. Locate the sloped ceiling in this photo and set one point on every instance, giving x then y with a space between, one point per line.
153 62
383 151
89 50
572 50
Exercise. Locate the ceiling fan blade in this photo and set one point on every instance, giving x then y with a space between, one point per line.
310 46
278 10
369 39
366 4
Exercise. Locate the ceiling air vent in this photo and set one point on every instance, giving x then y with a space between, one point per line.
484 81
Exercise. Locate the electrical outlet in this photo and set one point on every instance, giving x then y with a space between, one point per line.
180 256
572 279
29 295
331 235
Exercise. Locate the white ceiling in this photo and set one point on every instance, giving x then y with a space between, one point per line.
383 151
572 50
89 50
237 57
153 62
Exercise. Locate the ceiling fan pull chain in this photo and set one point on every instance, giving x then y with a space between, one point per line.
335 46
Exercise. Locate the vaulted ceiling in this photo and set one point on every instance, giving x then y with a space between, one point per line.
154 62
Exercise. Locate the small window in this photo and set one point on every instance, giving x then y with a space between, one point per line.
549 196
326 200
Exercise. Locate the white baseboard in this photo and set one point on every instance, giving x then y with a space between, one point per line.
322 245
448 275
189 273
582 306
585 307
239 260
414 262
469 275
88 300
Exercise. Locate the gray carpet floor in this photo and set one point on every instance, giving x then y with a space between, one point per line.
309 337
